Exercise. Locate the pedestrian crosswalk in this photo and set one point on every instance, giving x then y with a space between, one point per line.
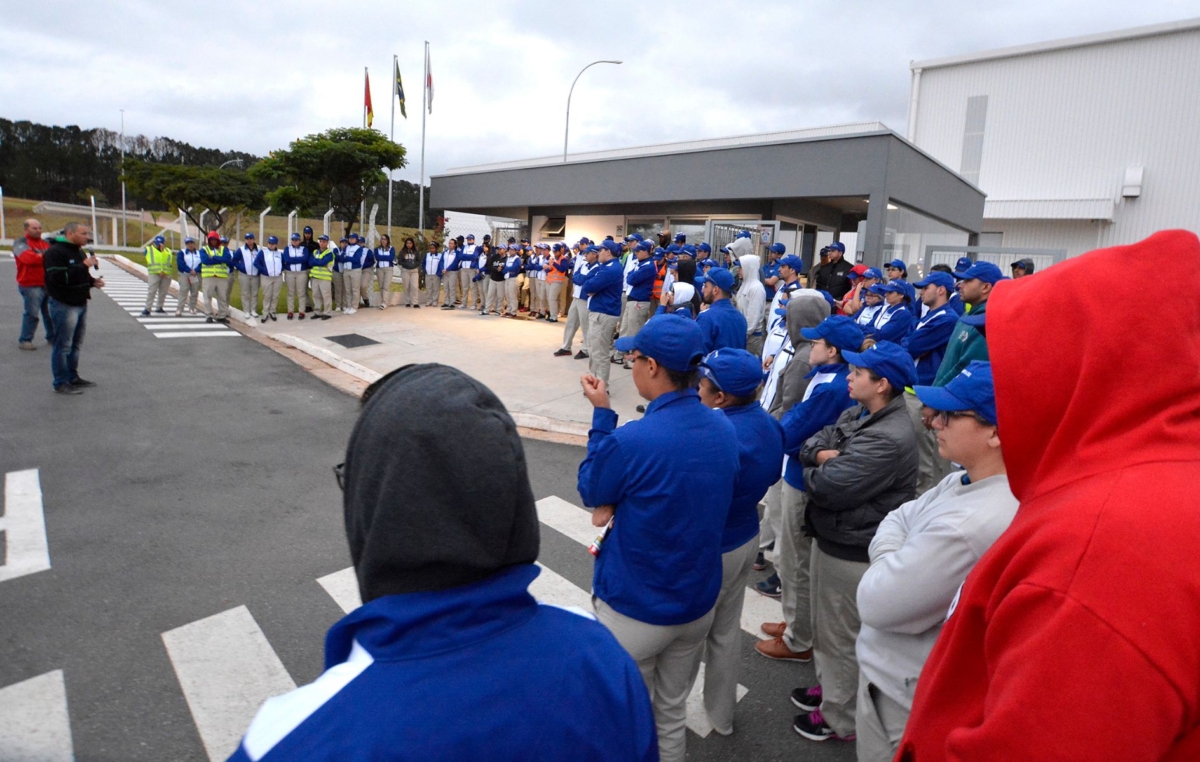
226 667
23 527
129 292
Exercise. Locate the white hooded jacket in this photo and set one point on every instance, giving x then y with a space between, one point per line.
751 298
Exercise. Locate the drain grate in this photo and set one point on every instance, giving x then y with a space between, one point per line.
352 340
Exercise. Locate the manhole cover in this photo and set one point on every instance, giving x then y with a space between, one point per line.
351 340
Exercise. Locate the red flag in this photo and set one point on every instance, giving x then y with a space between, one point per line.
367 99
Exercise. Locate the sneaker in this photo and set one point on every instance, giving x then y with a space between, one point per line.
80 382
67 389
408 305
760 561
581 355
813 727
28 346
290 316
145 313
263 319
223 321
416 306
209 320
562 353
808 699
551 320
274 317
776 649
160 311
383 306
770 587
774 629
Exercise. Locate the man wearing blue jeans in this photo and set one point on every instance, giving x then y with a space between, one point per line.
69 285
31 282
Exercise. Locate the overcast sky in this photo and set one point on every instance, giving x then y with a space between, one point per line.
254 76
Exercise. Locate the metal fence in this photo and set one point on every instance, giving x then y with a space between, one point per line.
1001 256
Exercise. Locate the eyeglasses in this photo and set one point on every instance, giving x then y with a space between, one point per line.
339 473
943 417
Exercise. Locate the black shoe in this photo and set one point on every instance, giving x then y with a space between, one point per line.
760 561
640 408
80 382
161 311
209 320
813 727
408 305
581 355
770 587
416 306
274 317
562 353
145 313
224 321
808 699
67 389
263 319
326 317
551 320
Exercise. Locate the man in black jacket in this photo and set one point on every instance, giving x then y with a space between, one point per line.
833 275
856 472
69 287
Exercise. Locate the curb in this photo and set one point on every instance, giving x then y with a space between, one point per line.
360 372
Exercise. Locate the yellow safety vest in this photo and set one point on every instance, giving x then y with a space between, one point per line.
218 270
158 261
322 272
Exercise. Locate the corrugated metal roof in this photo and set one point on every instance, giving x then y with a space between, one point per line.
1063 44
763 138
1049 209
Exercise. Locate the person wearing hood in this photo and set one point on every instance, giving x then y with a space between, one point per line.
1077 635
751 301
921 554
677 300
975 286
826 396
449 656
856 471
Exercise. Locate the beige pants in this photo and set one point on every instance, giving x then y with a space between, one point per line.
450 281
189 289
465 277
297 285
412 286
835 632
271 286
384 276
337 285
351 285
433 288
157 288
218 288
879 724
577 319
601 330
793 559
249 284
769 527
322 294
667 658
931 467
553 297
512 293
495 295
722 647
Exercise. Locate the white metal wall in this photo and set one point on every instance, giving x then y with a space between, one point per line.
1065 124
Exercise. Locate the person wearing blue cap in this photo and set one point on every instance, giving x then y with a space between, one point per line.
658 569
159 259
493 268
856 471
602 290
966 344
855 301
268 266
922 553
639 280
895 320
963 264
247 276
729 382
513 267
825 398
353 261
770 269
1021 268
295 276
927 345
831 276
896 270
956 302
187 265
721 324
581 267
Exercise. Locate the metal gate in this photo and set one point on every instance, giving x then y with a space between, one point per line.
1001 256
720 233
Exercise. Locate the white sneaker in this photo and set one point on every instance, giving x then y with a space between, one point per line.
351 311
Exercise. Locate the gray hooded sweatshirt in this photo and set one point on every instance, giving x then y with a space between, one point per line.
806 310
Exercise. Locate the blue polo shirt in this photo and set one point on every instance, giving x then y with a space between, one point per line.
603 288
661 563
760 453
723 326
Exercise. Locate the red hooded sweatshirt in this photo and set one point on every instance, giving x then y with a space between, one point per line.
30 272
1077 635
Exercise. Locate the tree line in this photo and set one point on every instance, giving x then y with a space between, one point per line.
338 168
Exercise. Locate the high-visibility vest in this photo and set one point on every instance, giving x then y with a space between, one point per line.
553 275
322 272
158 261
218 270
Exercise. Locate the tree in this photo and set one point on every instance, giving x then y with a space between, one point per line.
194 189
336 169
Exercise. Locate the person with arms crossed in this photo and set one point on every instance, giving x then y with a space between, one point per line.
158 274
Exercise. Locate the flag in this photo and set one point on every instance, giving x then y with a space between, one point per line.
400 91
428 80
367 99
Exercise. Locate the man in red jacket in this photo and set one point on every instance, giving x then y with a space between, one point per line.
1077 635
31 282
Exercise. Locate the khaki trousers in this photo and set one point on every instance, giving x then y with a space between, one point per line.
433 287
297 286
465 276
271 286
553 297
931 467
337 285
189 289
879 724
351 286
322 294
495 295
249 285
450 281
577 319
769 527
793 559
667 658
835 632
722 647
216 287
411 283
512 292
157 288
601 329
384 276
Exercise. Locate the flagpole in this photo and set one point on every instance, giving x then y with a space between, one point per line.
424 111
395 67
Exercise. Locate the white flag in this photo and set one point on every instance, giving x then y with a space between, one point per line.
428 81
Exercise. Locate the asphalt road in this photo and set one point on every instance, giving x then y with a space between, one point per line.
195 478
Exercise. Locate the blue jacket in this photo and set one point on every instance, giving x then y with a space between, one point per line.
452 260
238 260
602 289
260 262
957 304
723 326
661 562
385 257
322 258
182 265
478 672
760 451
826 397
300 258
513 266
927 342
896 329
358 259
769 270
641 277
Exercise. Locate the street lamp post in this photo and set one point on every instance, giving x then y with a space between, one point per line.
231 161
567 130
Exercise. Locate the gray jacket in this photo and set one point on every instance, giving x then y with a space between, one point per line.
875 471
803 311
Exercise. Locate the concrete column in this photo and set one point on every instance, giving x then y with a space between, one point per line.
876 220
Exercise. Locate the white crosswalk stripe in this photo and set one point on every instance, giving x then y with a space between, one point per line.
129 292
34 721
24 525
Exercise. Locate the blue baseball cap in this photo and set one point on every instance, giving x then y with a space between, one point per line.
838 246
721 278
987 272
612 246
343 239
733 371
879 289
514 247
322 238
888 360
295 236
674 344
248 236
873 272
792 261
709 263
470 236
837 330
892 286
898 264
963 264
189 239
704 247
936 278
690 250
680 237
159 239
742 234
272 239
644 246
971 390
778 248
